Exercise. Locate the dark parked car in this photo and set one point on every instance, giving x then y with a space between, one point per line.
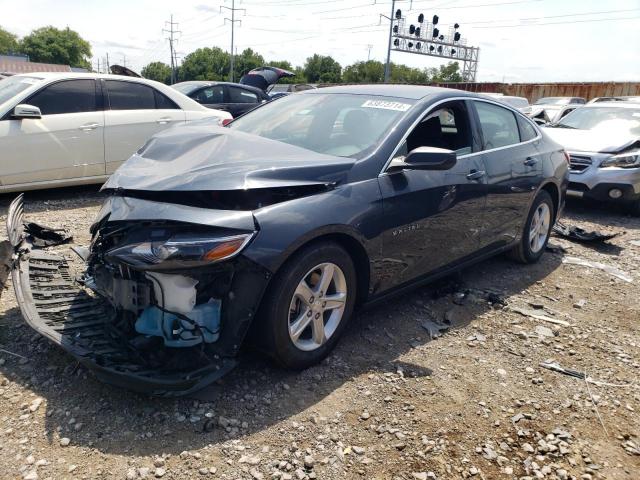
230 97
283 89
277 227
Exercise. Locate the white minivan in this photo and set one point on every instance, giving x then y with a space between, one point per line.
59 129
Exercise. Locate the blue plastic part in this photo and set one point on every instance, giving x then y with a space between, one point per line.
177 332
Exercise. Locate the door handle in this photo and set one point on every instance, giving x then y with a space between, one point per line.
88 126
530 161
163 120
476 174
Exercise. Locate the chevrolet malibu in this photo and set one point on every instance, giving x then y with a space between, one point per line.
276 228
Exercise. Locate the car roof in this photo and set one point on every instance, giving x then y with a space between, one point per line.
415 92
207 83
614 104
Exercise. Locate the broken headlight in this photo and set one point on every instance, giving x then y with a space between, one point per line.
624 160
178 252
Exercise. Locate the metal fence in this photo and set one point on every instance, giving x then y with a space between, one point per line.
534 91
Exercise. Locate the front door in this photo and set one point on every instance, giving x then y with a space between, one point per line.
433 218
136 112
66 143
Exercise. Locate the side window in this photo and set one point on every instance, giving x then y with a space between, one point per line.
130 96
447 127
69 96
240 95
214 94
499 127
527 131
164 103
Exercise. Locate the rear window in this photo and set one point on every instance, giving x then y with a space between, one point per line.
136 96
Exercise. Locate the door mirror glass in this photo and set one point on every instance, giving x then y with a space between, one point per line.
26 111
426 158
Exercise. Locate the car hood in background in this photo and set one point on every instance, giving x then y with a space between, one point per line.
201 158
263 77
591 140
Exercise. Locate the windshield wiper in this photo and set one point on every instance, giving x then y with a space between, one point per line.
560 125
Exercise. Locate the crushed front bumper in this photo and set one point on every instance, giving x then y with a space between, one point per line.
55 305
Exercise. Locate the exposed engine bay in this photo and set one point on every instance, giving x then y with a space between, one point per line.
162 306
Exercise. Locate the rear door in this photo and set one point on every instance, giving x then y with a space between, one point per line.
240 100
510 152
136 112
66 143
211 97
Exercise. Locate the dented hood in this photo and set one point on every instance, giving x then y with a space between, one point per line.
596 141
205 157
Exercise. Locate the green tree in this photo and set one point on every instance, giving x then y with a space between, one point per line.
371 71
322 68
404 74
447 73
50 45
205 64
247 60
8 42
158 71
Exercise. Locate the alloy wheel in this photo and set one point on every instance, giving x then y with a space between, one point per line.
317 306
539 229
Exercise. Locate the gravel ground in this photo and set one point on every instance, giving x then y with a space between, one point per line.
390 403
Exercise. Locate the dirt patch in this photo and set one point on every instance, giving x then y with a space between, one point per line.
394 400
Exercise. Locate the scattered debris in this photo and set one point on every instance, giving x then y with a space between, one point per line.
41 236
578 234
635 242
556 367
600 266
534 314
553 248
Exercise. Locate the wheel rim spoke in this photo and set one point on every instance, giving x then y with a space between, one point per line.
325 279
317 328
300 325
539 229
304 292
334 301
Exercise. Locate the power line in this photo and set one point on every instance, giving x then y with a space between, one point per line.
553 16
233 21
171 39
560 23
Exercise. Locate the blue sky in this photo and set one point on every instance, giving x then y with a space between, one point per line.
519 40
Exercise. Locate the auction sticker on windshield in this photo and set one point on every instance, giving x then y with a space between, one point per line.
386 105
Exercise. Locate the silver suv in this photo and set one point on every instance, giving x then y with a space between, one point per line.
603 141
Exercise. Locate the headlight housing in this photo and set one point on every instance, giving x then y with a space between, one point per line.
179 251
624 160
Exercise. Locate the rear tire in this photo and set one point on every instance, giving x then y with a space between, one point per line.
315 290
537 230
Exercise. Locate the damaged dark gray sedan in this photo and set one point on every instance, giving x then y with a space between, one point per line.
275 228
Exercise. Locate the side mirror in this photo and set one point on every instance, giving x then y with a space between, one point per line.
426 158
26 111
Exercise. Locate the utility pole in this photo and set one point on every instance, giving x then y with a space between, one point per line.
172 40
233 21
124 60
369 47
107 64
387 66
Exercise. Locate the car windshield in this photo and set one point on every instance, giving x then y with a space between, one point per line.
10 87
343 125
612 119
552 101
279 88
516 102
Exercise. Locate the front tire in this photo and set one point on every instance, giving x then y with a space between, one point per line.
308 305
537 230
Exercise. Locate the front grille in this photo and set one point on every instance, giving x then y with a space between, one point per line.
579 163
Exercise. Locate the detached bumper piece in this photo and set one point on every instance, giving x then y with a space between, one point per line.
83 324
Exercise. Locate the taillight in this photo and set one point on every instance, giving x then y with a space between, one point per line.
566 156
226 121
